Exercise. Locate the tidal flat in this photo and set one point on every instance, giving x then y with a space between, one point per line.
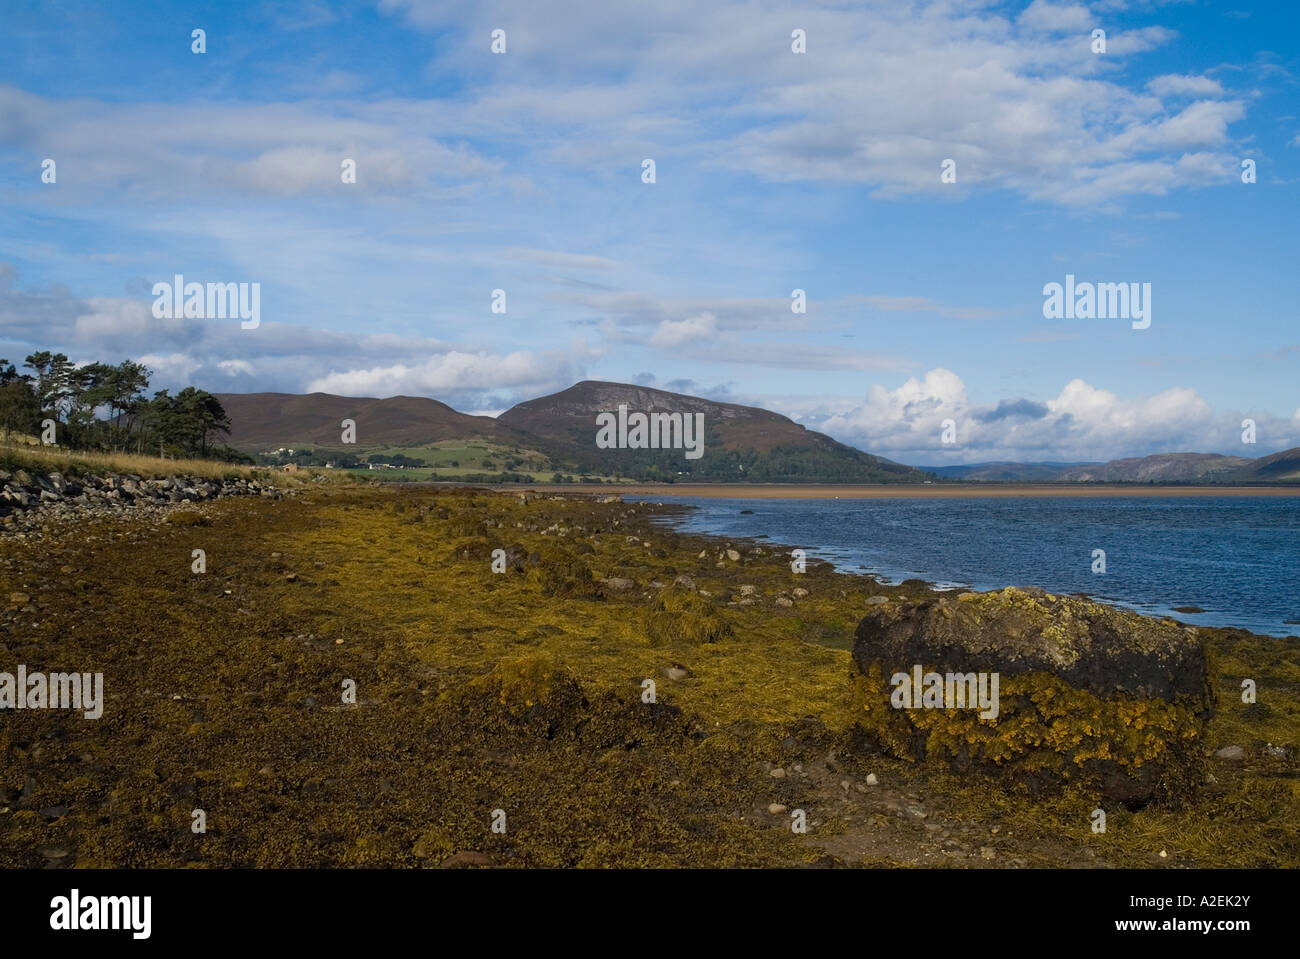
518 699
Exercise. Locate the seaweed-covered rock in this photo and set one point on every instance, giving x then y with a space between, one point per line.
679 615
1085 692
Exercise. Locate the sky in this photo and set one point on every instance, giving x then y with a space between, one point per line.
774 171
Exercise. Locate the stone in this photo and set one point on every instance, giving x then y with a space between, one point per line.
1231 754
466 859
777 808
1102 668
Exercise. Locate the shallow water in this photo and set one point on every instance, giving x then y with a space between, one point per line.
1238 558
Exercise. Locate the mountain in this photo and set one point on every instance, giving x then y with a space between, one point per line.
1283 467
1160 468
1208 468
741 443
1003 472
261 421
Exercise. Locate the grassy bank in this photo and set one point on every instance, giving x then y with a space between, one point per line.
46 459
522 691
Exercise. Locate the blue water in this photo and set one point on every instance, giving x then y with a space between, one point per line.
1238 558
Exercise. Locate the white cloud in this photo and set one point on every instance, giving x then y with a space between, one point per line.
1184 85
674 333
1082 423
1056 17
450 372
236 367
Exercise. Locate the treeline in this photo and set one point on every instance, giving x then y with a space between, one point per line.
778 465
100 406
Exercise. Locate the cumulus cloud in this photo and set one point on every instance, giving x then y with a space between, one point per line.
1082 422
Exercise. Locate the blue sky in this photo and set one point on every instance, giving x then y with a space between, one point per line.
774 171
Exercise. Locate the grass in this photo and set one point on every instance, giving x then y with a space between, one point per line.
16 456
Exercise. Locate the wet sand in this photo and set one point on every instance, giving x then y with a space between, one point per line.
908 491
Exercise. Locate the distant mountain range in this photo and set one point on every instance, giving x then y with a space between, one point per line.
741 443
1209 468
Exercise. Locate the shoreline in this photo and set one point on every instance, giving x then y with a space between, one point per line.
901 491
675 514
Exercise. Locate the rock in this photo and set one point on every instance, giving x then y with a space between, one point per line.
1188 609
733 556
1231 754
799 592
777 808
877 600
676 671
618 583
467 858
1100 668
872 780
988 852
784 601
778 773
748 590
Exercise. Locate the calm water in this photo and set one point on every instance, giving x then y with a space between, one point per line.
1238 558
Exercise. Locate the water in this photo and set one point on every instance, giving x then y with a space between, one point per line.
1238 558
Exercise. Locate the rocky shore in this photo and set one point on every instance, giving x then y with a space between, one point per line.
29 499
368 676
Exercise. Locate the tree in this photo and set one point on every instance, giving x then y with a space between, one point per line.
53 382
19 408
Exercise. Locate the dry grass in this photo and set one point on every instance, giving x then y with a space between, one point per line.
19 455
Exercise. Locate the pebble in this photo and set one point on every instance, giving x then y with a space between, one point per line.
778 773
872 780
777 808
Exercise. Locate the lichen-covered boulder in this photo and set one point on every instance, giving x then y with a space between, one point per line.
1040 689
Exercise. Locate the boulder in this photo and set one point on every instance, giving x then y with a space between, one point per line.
1086 693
